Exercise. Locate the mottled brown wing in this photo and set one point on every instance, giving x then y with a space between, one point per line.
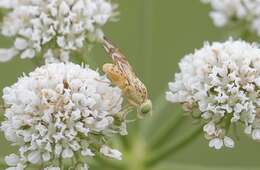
119 59
139 92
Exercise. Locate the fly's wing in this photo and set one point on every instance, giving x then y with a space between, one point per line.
140 91
120 60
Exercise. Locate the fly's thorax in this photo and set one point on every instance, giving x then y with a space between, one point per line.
115 75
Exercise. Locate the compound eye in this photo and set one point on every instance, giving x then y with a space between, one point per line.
146 109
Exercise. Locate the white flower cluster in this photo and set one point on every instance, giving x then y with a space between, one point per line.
222 83
61 111
225 11
56 26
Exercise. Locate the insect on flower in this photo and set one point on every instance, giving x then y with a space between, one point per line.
122 75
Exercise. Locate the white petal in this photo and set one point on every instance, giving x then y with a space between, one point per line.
257 81
29 53
52 168
64 8
209 128
256 134
171 97
111 153
58 149
216 143
85 167
61 41
7 54
34 157
248 130
20 43
87 152
219 19
67 153
6 4
12 160
46 156
228 142
101 125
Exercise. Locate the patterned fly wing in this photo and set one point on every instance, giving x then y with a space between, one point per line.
122 74
120 60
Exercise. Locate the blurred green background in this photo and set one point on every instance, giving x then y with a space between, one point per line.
156 34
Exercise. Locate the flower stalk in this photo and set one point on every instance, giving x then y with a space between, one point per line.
164 134
156 158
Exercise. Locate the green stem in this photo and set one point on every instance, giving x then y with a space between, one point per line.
242 30
228 122
154 160
162 136
125 142
135 158
42 166
247 35
235 132
36 62
61 164
159 105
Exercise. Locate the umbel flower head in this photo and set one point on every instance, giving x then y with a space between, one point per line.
55 27
61 111
220 85
225 12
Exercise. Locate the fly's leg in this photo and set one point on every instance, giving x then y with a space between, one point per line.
124 112
131 95
122 115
